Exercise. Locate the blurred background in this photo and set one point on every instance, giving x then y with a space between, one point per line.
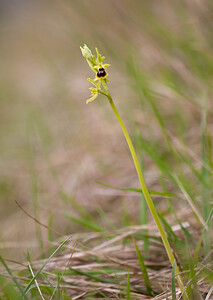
53 146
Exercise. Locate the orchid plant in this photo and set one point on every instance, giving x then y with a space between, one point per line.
100 81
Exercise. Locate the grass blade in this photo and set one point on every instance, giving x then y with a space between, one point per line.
171 235
84 222
91 276
50 237
190 202
206 205
34 180
198 247
128 288
152 192
144 271
46 262
63 273
8 290
39 290
173 283
13 278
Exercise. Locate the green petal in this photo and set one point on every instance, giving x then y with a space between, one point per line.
106 66
92 81
92 98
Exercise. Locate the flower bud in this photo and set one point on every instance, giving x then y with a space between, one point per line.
86 52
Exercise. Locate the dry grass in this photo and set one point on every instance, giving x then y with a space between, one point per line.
101 262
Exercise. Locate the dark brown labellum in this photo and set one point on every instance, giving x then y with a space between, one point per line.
101 73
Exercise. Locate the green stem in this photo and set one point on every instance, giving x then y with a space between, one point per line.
146 192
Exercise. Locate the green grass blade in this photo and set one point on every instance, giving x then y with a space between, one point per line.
189 200
50 237
106 218
46 262
84 222
152 192
91 276
197 173
76 205
143 210
58 283
173 283
144 271
144 221
199 244
197 249
8 290
206 206
171 235
187 234
34 180
128 288
145 95
47 280
12 277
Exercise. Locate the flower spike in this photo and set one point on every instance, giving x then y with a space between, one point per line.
98 68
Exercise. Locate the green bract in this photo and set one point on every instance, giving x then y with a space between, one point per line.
95 64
